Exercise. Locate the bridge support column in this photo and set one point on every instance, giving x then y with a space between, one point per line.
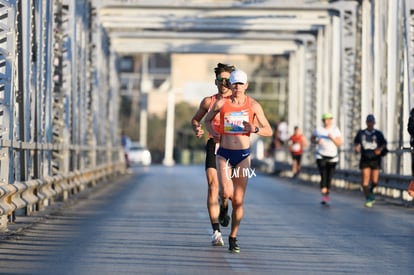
146 87
169 132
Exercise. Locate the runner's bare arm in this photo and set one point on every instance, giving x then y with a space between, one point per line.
264 126
209 118
198 116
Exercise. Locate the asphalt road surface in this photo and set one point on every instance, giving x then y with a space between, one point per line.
155 221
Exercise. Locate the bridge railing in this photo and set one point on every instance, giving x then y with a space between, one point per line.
37 194
59 104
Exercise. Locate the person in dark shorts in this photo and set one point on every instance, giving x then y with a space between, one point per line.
297 143
410 129
240 116
370 143
222 73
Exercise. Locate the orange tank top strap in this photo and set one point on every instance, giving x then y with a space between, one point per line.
232 117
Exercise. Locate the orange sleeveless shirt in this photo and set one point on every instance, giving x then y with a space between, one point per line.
232 118
215 123
296 147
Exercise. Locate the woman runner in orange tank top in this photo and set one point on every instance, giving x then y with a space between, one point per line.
240 116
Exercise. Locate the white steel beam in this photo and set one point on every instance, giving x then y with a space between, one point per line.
254 36
391 91
126 46
366 60
213 3
292 12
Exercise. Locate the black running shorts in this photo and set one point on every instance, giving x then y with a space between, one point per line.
373 164
210 154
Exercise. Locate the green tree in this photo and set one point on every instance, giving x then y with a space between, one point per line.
184 134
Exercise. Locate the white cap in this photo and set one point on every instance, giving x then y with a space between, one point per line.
238 76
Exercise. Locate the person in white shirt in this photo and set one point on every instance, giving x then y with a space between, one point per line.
327 139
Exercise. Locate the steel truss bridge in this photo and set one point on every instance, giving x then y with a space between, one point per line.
60 80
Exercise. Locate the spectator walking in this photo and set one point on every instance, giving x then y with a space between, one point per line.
126 144
370 143
410 129
327 139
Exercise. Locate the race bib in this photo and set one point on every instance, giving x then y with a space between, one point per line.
233 122
296 147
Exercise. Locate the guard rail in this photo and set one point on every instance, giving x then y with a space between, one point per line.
38 193
390 186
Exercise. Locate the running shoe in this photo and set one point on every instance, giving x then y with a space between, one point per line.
233 246
224 218
370 201
325 199
216 239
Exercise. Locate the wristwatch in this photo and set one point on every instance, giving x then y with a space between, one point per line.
256 130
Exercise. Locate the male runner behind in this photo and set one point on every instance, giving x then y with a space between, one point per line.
222 72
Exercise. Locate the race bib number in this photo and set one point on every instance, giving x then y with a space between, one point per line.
233 122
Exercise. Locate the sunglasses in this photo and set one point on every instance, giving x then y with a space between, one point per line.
222 80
